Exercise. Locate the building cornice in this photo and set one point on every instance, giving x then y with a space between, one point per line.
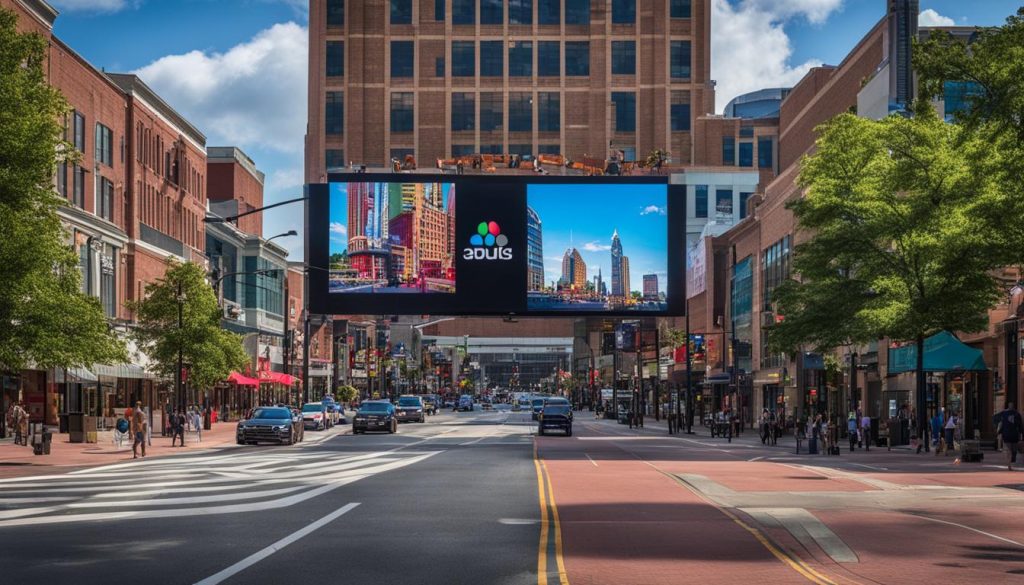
136 88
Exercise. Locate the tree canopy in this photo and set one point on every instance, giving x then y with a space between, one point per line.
210 352
45 319
906 220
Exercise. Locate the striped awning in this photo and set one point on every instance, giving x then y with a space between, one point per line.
74 376
122 371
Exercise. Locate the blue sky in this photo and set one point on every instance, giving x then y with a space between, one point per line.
237 68
339 217
584 217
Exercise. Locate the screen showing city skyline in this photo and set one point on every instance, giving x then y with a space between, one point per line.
392 238
609 254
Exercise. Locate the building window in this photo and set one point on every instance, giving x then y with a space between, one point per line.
625 111
79 132
957 97
680 60
399 154
104 145
549 111
463 111
439 67
521 150
334 158
624 57
401 11
263 287
743 204
577 11
700 201
774 269
334 114
520 59
577 58
492 61
723 201
439 10
463 11
462 150
491 112
520 111
105 199
548 62
680 111
491 11
78 186
401 111
548 12
62 179
746 131
623 11
728 151
402 58
746 154
764 153
520 11
490 149
548 149
463 59
335 58
681 8
335 12
84 265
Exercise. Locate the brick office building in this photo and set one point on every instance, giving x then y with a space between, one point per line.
444 78
232 178
135 198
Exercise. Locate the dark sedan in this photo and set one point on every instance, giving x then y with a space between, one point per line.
269 424
375 415
410 408
555 416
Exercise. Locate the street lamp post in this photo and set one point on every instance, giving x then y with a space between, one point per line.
178 394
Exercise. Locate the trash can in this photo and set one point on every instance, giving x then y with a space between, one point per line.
76 427
89 428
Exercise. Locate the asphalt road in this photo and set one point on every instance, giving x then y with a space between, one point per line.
451 501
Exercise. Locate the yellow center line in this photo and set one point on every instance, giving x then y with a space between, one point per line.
542 550
563 577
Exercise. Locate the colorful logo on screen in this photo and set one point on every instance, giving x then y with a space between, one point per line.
488 243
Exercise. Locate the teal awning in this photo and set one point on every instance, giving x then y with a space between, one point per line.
942 353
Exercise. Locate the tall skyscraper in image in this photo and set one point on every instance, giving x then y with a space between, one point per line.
617 282
574 270
534 251
624 271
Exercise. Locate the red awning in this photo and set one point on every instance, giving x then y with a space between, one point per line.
242 380
276 378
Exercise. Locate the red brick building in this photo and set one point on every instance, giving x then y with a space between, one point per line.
232 177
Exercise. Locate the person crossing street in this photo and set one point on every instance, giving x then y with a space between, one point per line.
1010 429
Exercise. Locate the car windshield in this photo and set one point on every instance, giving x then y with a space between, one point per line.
538 402
556 409
272 413
312 408
374 407
408 401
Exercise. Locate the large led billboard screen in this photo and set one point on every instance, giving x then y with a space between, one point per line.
495 245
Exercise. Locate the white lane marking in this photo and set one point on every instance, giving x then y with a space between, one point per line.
756 458
266 552
866 466
591 459
190 500
4 501
517 521
982 532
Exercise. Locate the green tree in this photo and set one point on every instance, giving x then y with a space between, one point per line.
344 394
210 352
904 217
45 319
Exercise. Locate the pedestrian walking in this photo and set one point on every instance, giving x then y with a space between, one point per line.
950 431
20 423
1011 427
851 428
937 424
177 427
197 422
139 425
865 431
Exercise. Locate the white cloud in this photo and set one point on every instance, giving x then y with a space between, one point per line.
929 17
252 95
750 49
339 228
92 5
596 247
648 211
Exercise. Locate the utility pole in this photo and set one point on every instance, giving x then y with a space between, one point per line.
178 394
689 379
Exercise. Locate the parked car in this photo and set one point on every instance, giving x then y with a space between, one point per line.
430 404
410 408
333 410
537 404
314 414
268 424
375 415
465 402
555 416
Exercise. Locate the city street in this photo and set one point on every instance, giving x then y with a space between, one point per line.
457 500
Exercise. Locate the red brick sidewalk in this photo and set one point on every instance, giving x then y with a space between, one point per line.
17 461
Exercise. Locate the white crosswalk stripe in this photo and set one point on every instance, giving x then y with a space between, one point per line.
189 486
